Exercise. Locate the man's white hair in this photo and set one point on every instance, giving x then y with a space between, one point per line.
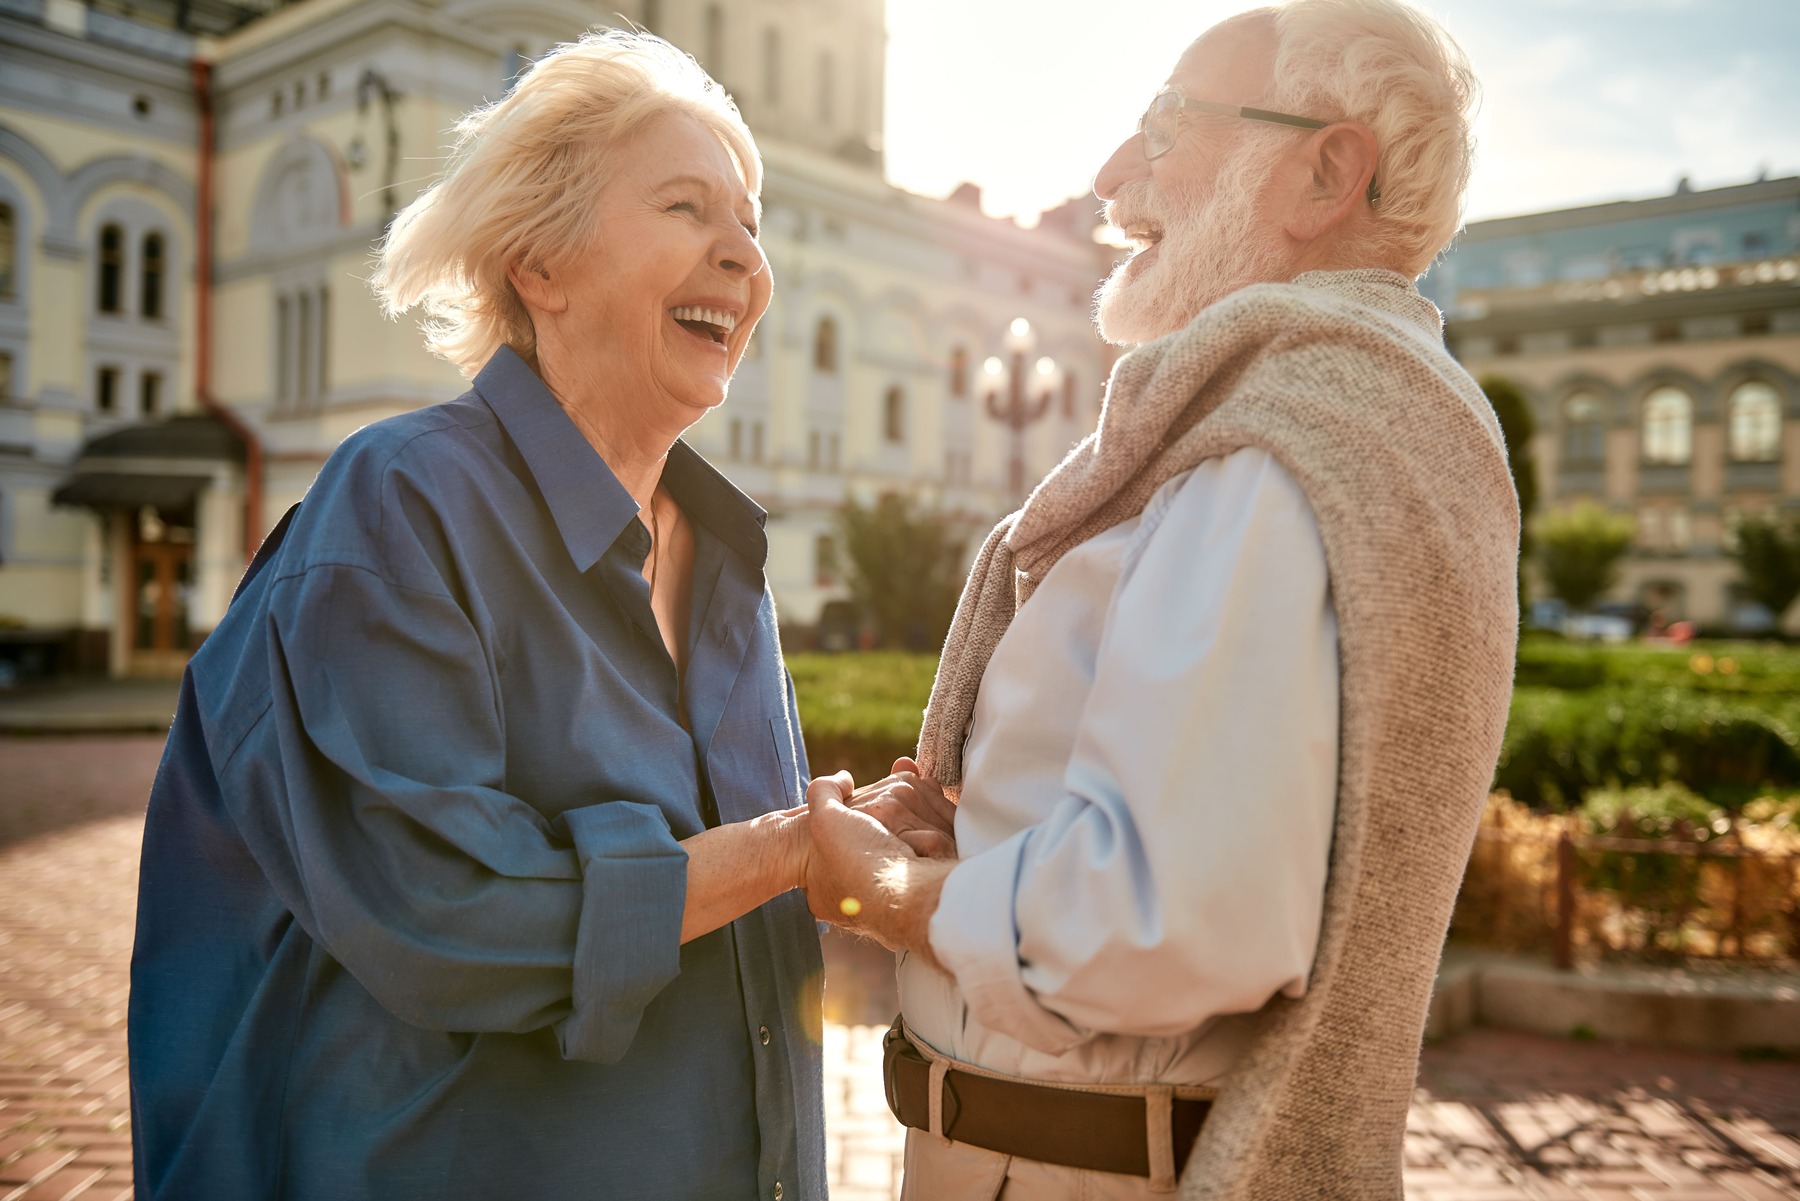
1391 67
519 187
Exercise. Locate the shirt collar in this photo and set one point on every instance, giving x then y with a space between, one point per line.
588 503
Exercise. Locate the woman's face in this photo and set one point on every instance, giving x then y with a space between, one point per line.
665 299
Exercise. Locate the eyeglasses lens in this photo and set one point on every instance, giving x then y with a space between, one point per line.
1159 124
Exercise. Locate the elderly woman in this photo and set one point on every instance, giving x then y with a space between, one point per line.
469 870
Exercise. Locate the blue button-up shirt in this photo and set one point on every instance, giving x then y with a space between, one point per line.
409 920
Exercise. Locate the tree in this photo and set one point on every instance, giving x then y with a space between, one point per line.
1768 557
904 570
1579 550
1517 426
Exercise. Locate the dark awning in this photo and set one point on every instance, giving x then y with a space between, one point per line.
185 436
108 490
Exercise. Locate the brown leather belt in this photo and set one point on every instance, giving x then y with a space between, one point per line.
1103 1132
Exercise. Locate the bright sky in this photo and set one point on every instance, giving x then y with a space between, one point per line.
1585 100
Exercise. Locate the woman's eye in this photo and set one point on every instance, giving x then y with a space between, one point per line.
684 206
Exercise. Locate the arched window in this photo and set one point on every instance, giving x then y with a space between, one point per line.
772 65
825 346
112 269
827 88
1584 430
1755 423
150 302
893 414
9 251
959 372
1668 427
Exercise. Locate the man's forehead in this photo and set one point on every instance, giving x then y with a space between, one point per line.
1232 62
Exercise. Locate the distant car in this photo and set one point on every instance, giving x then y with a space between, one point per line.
1597 627
839 625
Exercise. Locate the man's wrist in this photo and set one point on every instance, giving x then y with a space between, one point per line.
912 888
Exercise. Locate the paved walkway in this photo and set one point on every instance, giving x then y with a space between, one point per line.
1498 1117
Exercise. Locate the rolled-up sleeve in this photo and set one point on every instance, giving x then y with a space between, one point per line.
374 795
1182 873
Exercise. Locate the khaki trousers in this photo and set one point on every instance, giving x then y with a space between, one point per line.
940 1171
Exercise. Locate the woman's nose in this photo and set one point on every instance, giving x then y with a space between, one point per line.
738 252
1127 163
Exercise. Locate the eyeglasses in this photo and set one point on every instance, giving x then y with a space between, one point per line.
1162 121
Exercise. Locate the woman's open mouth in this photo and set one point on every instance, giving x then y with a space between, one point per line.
715 325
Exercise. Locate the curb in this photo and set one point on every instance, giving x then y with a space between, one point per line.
1669 1007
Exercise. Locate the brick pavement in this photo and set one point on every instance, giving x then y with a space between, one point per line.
1497 1117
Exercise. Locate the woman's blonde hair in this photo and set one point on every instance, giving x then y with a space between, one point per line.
520 181
1397 71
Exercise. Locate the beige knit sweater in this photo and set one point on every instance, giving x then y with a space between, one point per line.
1344 379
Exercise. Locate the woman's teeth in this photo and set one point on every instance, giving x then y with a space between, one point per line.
713 323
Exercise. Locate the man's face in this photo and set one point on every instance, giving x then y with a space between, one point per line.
1196 214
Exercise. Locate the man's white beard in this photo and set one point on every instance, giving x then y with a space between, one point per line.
1210 248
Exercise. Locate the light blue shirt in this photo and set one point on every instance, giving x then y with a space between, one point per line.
1148 794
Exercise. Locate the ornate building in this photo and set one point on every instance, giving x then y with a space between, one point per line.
1659 341
189 194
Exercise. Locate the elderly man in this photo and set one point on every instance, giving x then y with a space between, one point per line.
1223 700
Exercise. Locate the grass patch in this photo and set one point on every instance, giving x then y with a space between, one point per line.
859 712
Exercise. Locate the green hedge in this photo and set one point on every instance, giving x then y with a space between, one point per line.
859 712
1561 745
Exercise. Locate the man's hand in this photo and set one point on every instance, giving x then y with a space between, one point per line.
862 876
913 808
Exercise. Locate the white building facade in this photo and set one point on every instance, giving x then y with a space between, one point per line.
188 204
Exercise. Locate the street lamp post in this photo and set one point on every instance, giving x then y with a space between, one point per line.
1021 406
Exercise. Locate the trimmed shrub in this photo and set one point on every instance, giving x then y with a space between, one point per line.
1561 745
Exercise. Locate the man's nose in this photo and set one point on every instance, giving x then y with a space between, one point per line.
1127 163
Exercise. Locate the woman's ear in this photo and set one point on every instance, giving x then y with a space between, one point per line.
1341 162
538 287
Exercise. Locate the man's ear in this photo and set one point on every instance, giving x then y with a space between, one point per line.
538 287
1340 161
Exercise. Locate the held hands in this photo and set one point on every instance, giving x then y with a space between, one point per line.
878 855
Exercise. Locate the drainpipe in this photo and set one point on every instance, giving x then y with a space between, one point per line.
203 276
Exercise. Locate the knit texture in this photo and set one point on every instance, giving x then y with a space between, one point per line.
1343 378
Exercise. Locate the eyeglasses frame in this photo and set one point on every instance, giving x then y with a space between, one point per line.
1246 112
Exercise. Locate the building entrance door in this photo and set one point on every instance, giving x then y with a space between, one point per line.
162 575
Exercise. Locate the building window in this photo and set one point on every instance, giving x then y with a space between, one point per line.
150 302
831 452
653 16
827 88
1755 423
893 414
303 340
814 448
772 65
825 346
715 40
1069 395
112 268
9 251
734 448
284 352
150 393
1668 427
324 345
756 441
825 561
959 372
6 378
106 390
1584 431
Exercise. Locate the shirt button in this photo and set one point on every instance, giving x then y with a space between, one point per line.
778 1193
762 1032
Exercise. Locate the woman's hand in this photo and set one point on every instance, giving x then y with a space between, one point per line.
912 807
862 876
